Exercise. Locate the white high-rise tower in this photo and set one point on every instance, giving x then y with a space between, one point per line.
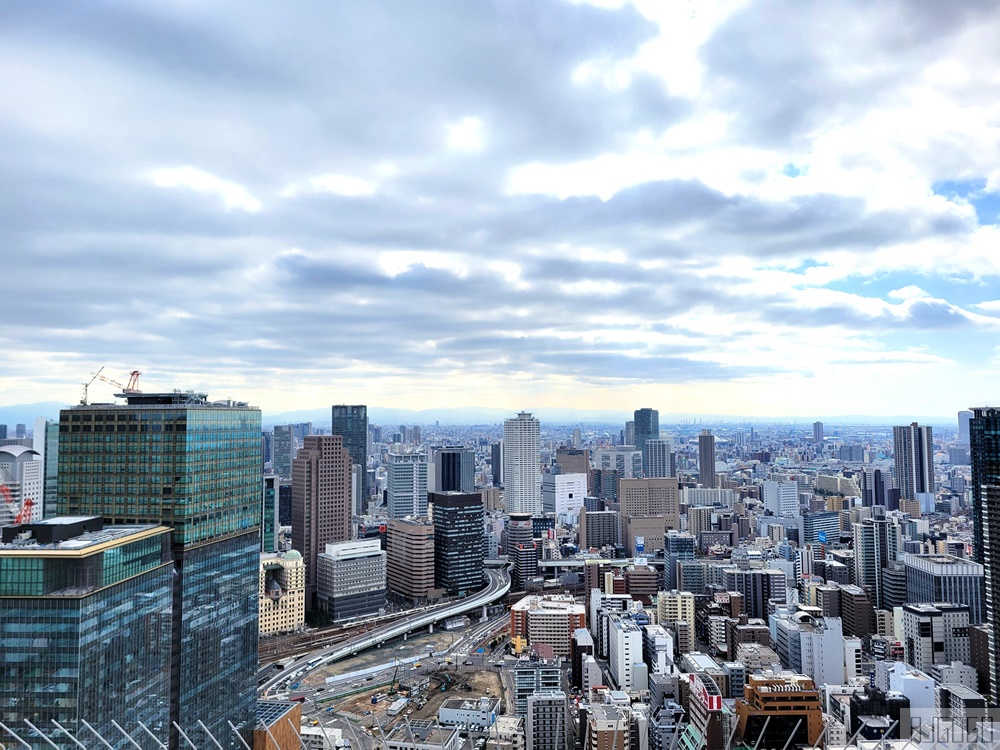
521 468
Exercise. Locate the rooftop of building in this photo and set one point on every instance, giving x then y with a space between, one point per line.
471 704
187 399
552 603
270 712
422 731
70 534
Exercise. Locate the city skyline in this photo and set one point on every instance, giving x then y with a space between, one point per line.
592 205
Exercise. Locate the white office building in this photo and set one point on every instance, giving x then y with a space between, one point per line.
781 498
406 484
624 651
563 494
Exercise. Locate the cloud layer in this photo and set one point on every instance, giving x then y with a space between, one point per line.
757 207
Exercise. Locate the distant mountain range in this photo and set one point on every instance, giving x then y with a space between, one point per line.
473 415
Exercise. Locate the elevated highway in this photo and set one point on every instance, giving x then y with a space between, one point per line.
498 586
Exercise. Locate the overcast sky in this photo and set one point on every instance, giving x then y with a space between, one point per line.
778 208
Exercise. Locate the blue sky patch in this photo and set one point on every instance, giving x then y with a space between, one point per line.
974 193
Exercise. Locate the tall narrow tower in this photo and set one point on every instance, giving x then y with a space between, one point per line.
914 453
706 459
351 423
647 427
321 502
521 469
192 464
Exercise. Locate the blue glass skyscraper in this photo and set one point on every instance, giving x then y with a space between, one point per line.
193 465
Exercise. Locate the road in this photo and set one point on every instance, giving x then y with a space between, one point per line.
499 585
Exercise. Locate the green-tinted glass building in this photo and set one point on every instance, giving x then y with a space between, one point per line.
193 465
85 626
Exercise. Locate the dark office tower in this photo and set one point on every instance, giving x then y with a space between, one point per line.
873 487
282 450
818 433
458 541
351 423
321 502
519 544
183 461
285 502
269 514
3 432
647 427
913 447
496 463
984 451
989 498
455 470
19 431
266 449
706 459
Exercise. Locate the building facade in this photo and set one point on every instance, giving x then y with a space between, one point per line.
706 459
647 427
410 558
62 581
351 579
521 469
321 502
281 601
406 484
351 423
458 541
193 465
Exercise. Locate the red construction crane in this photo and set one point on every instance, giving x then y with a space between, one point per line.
133 381
24 515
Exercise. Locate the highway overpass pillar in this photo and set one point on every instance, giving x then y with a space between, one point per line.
430 628
482 616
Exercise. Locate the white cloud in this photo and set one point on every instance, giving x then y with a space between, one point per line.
233 195
338 184
910 291
466 135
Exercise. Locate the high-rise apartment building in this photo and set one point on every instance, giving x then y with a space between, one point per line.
321 501
647 427
876 547
458 541
351 423
913 449
85 619
406 484
706 459
598 528
659 458
546 722
193 465
521 469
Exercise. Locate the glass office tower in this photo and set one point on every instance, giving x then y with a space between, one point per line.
85 623
458 541
193 465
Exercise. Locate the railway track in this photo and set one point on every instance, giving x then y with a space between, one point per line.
283 647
